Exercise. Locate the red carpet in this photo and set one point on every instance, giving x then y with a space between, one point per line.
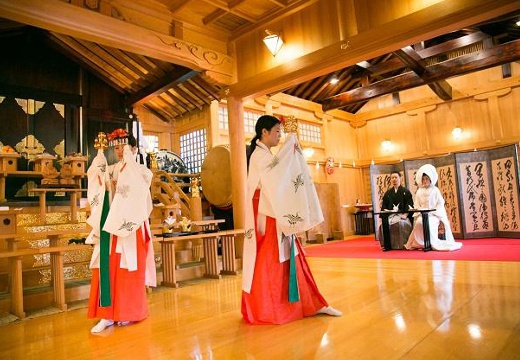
491 249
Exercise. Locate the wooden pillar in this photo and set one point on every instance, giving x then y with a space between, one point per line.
494 118
421 115
213 130
58 278
211 257
43 207
195 208
15 280
74 207
168 263
228 254
2 188
238 164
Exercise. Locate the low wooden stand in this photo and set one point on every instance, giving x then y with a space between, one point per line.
42 192
210 246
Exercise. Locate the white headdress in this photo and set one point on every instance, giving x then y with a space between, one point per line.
427 169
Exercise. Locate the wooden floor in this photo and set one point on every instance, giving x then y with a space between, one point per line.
393 309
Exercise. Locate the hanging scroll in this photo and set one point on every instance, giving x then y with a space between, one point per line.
505 184
476 194
449 188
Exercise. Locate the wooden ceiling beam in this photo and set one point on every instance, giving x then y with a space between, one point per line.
411 59
194 90
164 101
224 9
432 21
170 80
178 101
214 16
280 3
157 113
191 98
210 89
274 16
63 18
78 57
461 65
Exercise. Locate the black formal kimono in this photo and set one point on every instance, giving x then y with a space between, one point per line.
400 229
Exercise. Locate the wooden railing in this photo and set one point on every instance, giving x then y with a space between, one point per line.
14 256
210 252
165 191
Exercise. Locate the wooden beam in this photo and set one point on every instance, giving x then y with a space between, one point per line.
214 16
156 113
61 17
167 82
200 94
274 17
207 87
411 59
461 65
85 62
435 20
40 94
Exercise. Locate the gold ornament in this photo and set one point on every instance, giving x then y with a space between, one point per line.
290 124
101 141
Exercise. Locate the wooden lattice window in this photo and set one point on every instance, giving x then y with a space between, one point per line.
193 149
310 133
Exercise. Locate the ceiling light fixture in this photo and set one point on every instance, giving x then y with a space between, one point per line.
386 145
456 132
308 152
334 80
273 42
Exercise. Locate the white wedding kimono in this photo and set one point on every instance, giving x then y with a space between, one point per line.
287 195
130 207
431 198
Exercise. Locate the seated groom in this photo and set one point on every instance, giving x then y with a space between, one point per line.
397 197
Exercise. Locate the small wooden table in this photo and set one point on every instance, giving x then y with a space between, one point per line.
387 244
42 192
210 245
207 225
363 219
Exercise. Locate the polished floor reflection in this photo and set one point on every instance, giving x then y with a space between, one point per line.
393 309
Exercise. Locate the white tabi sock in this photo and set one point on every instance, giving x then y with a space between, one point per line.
101 325
329 310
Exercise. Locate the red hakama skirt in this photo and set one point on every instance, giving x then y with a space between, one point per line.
268 302
127 288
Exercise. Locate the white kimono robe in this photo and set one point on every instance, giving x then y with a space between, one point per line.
287 195
130 208
431 198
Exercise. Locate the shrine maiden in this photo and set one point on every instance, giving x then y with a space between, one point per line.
122 261
278 286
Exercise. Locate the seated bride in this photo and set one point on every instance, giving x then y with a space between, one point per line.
428 196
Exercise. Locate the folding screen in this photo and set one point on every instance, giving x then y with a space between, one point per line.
480 188
489 192
504 169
